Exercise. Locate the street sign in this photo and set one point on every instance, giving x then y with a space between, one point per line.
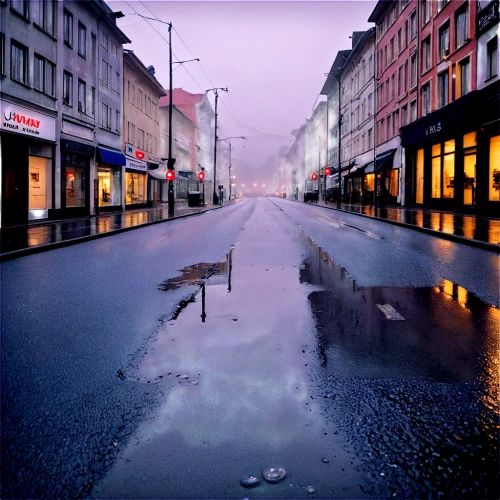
170 175
201 176
314 177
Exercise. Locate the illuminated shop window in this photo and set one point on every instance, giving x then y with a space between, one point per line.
443 170
494 190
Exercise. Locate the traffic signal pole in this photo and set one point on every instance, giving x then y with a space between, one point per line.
171 200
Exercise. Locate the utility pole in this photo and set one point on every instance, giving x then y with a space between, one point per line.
215 197
229 170
339 199
170 164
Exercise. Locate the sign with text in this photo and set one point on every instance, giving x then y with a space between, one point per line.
25 121
136 164
487 18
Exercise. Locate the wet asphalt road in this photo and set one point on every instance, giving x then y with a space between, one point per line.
281 359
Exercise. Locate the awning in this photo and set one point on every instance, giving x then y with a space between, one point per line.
105 155
384 160
357 171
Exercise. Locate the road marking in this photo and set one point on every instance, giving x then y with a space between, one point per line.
337 223
390 312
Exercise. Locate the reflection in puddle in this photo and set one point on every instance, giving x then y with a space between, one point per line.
449 334
470 227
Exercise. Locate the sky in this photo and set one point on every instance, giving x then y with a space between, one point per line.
272 56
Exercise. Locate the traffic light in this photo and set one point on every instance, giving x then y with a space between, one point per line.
328 171
170 163
201 176
170 175
314 177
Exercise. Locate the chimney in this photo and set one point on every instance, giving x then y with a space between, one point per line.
151 70
356 37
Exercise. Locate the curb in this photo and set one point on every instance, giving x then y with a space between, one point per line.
452 237
60 244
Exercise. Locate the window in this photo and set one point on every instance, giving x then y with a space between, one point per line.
67 88
139 99
426 11
404 3
82 93
444 41
20 6
441 4
426 99
82 40
443 82
492 58
387 91
413 111
39 72
400 48
370 104
370 65
370 138
401 80
404 115
392 55
389 127
131 133
117 117
464 67
393 85
106 117
117 82
2 54
426 54
42 14
19 62
405 35
494 181
105 71
93 48
395 122
92 101
413 70
104 40
413 25
68 28
443 170
461 26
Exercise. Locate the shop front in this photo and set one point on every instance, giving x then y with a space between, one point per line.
108 185
447 168
158 185
27 148
135 184
75 182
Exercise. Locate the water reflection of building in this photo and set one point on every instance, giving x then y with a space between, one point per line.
443 338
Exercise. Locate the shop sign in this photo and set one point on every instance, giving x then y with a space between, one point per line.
25 121
135 164
487 17
433 129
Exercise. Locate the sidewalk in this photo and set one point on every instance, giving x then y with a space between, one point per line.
34 237
481 231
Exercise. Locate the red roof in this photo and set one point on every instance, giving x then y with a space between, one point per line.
180 96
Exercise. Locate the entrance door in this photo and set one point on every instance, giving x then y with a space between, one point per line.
470 179
14 180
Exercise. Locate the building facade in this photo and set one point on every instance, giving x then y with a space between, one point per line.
141 132
29 109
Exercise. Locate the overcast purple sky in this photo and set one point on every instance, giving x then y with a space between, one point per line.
271 55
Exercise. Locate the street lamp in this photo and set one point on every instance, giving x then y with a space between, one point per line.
228 139
171 161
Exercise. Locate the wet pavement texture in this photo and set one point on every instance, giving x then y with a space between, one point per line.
34 235
279 359
467 226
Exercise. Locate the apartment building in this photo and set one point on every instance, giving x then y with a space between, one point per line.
141 131
316 148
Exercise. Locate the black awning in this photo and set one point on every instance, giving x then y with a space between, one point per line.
384 160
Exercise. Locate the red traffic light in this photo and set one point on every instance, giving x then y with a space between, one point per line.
170 175
201 176
328 171
314 177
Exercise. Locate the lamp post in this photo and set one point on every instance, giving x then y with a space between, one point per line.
228 139
171 161
215 91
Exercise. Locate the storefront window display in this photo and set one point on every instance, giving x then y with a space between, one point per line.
419 176
494 190
135 188
470 150
393 177
443 170
75 187
105 187
38 169
369 182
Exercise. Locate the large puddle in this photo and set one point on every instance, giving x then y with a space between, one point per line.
275 364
